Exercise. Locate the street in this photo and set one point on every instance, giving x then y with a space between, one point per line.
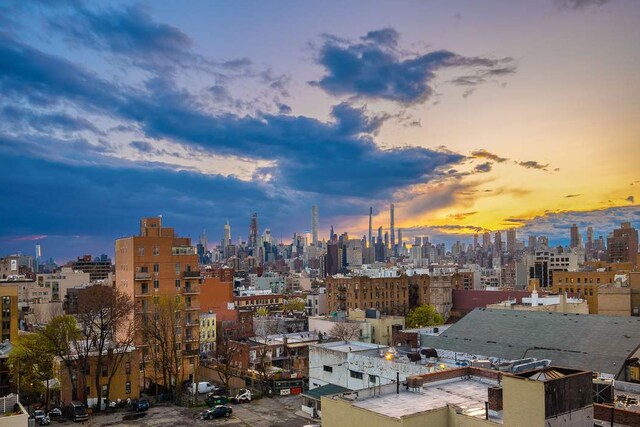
266 412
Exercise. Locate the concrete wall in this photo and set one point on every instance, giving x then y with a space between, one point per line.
614 301
518 391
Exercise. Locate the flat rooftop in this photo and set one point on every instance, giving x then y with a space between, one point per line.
467 394
351 346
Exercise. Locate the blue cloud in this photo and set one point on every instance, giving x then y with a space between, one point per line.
311 155
375 69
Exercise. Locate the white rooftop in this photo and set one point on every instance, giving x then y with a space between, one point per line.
352 346
467 394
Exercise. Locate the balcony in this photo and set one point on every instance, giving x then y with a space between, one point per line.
192 307
190 339
191 289
191 274
143 276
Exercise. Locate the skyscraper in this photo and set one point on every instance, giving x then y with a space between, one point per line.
399 240
226 240
511 241
253 232
370 242
314 225
392 232
575 236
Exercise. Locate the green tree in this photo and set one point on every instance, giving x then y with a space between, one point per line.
294 304
262 312
425 315
60 333
31 362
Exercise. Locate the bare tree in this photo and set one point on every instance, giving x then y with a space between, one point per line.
104 314
225 366
345 331
60 333
161 329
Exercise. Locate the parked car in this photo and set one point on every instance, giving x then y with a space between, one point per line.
41 418
205 387
244 395
214 400
55 412
140 405
216 412
77 411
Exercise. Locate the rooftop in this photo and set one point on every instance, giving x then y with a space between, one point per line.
351 346
467 394
581 341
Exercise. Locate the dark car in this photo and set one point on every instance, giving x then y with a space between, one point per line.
141 405
214 400
77 411
55 412
41 418
216 412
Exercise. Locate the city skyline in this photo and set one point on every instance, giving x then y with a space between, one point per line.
465 117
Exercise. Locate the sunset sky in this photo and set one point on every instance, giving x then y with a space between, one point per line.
468 115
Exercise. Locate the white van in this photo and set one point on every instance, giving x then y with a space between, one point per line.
203 387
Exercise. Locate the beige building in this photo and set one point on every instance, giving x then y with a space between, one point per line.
59 282
551 303
469 397
155 264
374 328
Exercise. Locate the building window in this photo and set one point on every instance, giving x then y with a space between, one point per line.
327 368
156 267
105 371
141 251
105 390
355 374
156 250
372 379
177 283
127 387
177 268
156 284
127 368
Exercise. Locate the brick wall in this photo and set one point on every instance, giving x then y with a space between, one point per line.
620 416
495 398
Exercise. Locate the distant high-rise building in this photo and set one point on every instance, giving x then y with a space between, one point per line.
253 232
543 243
332 237
475 241
497 244
266 236
486 240
332 261
226 239
392 230
399 243
511 241
575 236
589 245
314 225
622 244
370 242
532 244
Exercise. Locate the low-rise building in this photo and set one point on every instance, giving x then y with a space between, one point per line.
125 381
553 303
469 397
207 333
374 327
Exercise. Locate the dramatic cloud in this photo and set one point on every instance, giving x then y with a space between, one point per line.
569 196
484 154
483 167
532 164
338 157
631 199
375 68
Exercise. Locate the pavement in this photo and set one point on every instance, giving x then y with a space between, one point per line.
267 412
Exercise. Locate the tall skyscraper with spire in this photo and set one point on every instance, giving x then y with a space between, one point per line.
314 225
392 231
370 242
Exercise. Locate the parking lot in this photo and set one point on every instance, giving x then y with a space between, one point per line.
277 411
